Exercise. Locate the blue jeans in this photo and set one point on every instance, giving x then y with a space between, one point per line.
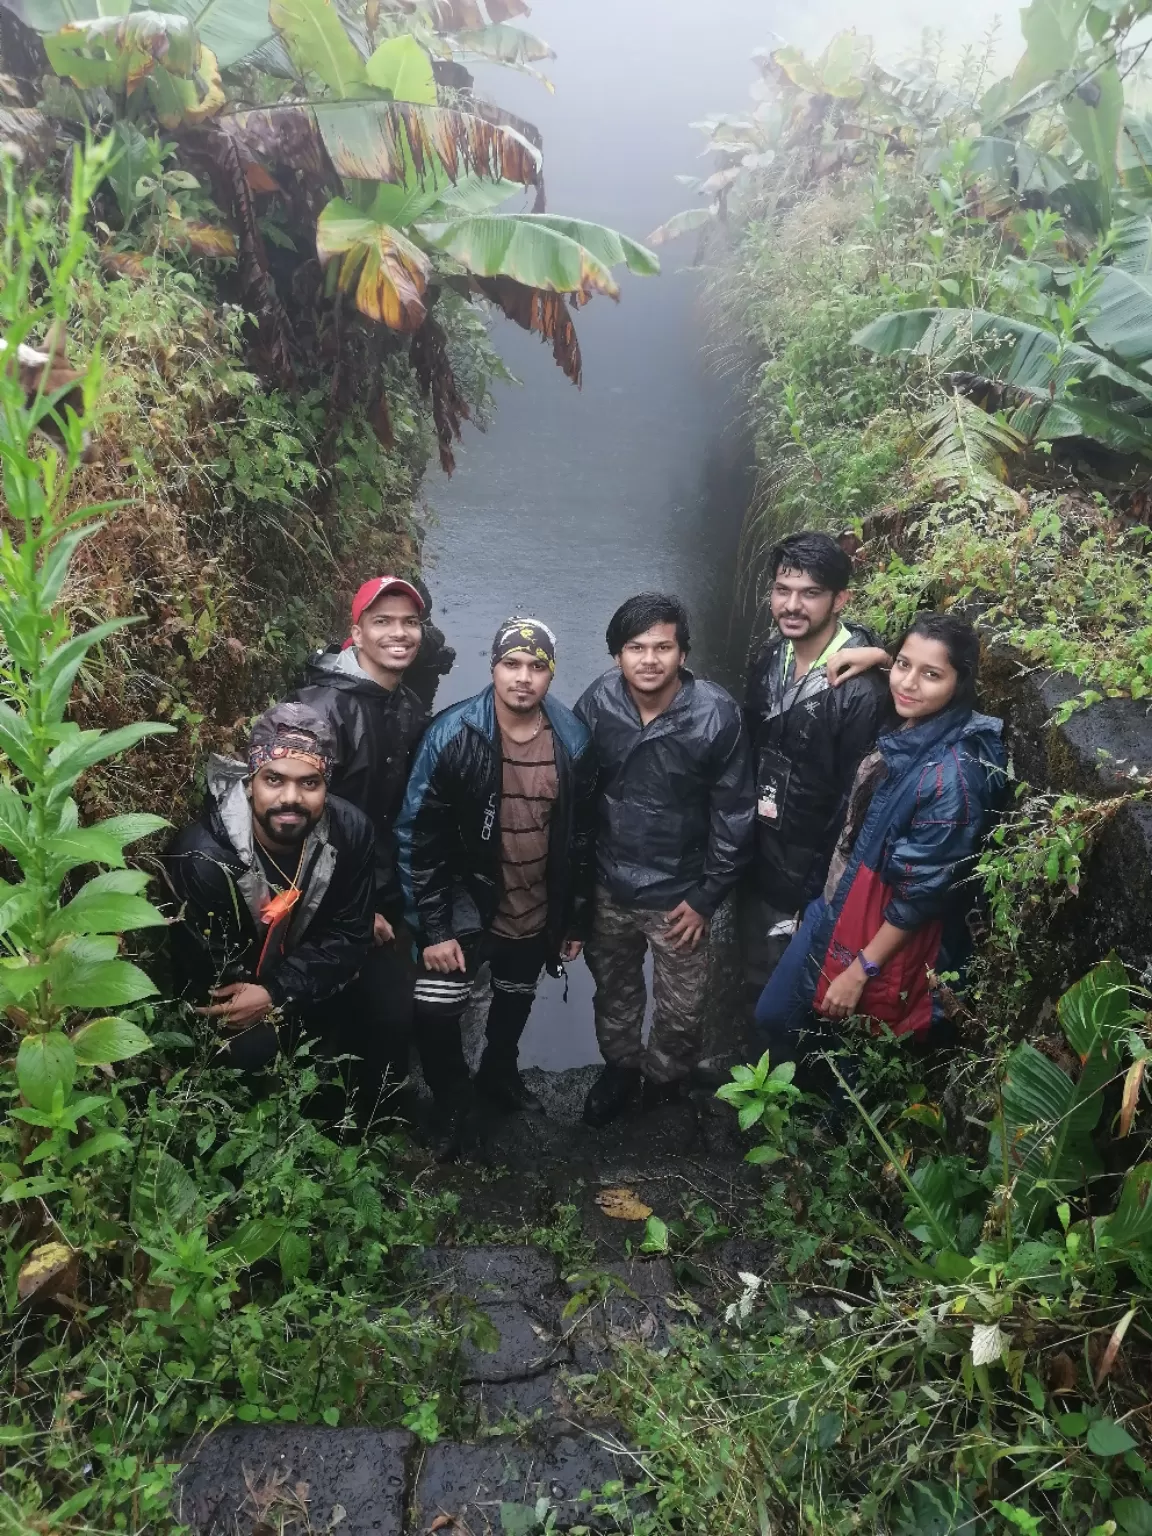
785 1004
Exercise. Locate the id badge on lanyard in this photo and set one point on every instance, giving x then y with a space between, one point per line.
773 773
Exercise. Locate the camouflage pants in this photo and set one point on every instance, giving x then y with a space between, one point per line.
615 956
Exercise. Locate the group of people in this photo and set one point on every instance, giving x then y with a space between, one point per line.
349 880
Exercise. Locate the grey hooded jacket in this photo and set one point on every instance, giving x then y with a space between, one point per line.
219 890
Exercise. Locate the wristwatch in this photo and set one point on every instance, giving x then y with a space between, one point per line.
869 967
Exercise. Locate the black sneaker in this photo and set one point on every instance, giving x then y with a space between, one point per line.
507 1091
653 1095
611 1094
448 1130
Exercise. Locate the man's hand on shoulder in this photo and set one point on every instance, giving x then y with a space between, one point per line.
444 957
854 661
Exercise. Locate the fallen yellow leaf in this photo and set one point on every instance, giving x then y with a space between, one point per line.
51 1265
622 1205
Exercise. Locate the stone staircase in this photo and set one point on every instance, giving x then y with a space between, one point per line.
535 1454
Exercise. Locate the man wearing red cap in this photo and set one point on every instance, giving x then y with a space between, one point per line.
377 721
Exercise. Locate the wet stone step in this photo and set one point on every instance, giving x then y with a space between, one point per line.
250 1478
524 1346
540 1404
493 1272
485 1489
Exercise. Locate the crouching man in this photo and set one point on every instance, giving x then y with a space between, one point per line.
495 845
273 887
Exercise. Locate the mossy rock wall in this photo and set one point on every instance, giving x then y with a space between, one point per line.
1092 753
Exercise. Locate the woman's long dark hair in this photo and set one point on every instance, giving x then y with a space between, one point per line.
961 642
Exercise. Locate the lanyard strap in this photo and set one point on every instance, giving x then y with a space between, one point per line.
814 680
837 643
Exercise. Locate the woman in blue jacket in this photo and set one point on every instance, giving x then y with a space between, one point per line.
893 908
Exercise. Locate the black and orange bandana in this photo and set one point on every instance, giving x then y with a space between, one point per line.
526 635
292 730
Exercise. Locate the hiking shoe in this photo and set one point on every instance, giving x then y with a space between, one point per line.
448 1130
506 1090
653 1095
611 1094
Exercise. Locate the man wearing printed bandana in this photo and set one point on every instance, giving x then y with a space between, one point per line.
272 890
495 858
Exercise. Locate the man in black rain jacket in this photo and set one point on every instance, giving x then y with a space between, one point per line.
377 721
272 895
435 658
495 853
674 836
808 739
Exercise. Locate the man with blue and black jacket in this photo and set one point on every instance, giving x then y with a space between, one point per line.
495 859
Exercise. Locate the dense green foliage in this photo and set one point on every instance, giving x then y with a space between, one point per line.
175 1249
936 294
948 298
952 1331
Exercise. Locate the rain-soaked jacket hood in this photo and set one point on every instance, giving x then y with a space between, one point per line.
220 892
377 730
675 796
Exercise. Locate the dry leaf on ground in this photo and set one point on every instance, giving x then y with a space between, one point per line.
623 1205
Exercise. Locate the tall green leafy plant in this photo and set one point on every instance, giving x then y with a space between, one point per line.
60 969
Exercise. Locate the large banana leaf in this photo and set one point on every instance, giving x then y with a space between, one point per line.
232 29
1025 356
1051 30
1096 1013
837 72
319 44
119 52
394 140
607 245
682 223
402 68
1097 128
387 273
471 194
1132 244
506 45
1131 1222
510 46
1048 1118
1047 1125
522 248
51 15
1121 321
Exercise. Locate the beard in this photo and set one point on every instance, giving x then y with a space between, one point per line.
289 835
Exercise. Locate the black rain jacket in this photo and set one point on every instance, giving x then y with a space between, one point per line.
377 731
434 660
449 830
218 889
821 740
675 802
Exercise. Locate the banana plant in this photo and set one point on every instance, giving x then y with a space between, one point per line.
423 189
1045 1133
1054 387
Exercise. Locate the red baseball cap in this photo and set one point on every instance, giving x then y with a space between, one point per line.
377 587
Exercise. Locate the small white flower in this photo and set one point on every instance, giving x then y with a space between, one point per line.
741 1310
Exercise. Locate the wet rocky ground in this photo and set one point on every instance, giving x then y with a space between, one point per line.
536 1452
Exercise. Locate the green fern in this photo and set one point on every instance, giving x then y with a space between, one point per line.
966 451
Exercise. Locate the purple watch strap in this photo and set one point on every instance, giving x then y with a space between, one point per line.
869 967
